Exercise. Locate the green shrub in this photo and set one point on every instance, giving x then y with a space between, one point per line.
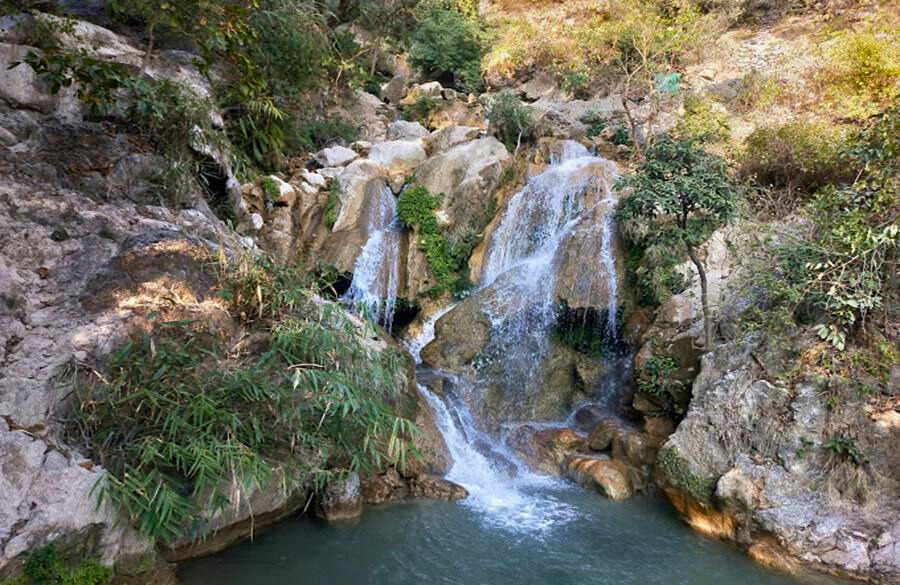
595 123
416 207
449 46
840 272
800 157
702 121
512 121
861 71
315 134
48 565
656 379
179 416
422 109
680 194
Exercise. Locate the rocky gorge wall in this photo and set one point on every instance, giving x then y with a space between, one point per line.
89 256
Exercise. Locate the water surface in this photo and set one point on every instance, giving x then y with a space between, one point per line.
600 542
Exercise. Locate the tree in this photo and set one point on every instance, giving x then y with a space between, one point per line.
680 194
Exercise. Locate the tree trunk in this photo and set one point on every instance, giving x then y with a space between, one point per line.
704 298
148 52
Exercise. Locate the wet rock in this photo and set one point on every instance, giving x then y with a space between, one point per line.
335 156
589 416
386 487
606 477
601 438
436 488
403 130
341 500
546 450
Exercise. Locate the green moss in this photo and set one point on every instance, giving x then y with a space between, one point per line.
678 473
333 206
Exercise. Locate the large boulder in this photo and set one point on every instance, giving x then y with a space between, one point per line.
341 500
398 157
403 130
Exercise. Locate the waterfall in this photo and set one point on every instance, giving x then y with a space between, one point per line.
376 273
503 501
523 259
608 260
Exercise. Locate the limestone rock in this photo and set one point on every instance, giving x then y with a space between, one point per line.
545 451
432 89
341 500
398 156
335 156
395 90
770 471
449 136
403 130
436 488
606 477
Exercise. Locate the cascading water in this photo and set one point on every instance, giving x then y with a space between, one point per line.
524 258
376 273
609 262
521 267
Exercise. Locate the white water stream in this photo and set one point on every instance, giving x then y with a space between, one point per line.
522 266
376 273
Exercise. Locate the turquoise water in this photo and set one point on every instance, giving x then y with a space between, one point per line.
637 542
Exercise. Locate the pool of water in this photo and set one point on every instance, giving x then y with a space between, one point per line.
584 539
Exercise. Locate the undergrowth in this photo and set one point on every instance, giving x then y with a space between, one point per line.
48 565
185 421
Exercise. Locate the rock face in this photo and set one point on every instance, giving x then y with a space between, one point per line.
87 255
757 453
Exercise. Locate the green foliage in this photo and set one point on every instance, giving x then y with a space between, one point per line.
179 418
840 272
512 121
416 207
318 133
676 470
679 192
48 565
656 379
800 157
861 71
702 121
845 447
333 205
449 46
651 270
422 109
447 261
595 123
